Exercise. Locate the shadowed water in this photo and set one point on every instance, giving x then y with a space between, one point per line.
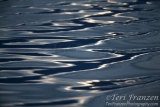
73 53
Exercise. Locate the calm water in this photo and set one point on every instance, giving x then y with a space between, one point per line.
74 53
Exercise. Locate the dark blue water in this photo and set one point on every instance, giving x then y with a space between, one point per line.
72 53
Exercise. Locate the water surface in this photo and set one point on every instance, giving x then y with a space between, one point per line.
74 53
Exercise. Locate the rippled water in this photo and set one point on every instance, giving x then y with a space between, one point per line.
74 53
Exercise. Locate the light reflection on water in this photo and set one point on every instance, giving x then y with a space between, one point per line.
75 53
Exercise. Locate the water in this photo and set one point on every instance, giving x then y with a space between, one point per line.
74 53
